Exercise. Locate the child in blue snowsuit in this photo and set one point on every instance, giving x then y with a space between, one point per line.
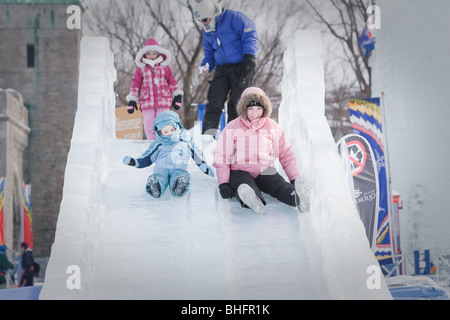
170 152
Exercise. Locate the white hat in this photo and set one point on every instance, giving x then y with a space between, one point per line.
207 9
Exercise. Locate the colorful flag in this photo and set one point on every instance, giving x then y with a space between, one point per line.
361 161
366 120
27 216
2 217
367 41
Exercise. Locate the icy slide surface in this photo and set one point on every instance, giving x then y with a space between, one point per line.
115 242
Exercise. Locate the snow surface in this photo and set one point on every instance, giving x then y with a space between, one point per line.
113 241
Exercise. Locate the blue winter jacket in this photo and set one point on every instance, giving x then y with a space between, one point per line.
172 152
235 36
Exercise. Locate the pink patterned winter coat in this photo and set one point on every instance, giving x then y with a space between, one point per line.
153 87
253 146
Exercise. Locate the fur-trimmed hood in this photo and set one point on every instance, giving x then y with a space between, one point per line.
257 95
152 45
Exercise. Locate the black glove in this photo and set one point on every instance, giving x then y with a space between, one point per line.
131 106
176 103
248 67
226 191
129 161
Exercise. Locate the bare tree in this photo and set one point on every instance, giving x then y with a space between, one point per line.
345 21
129 24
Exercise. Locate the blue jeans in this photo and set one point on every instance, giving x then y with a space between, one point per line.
168 177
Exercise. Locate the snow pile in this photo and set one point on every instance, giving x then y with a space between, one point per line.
416 288
113 241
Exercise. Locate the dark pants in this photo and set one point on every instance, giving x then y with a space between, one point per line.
226 81
270 181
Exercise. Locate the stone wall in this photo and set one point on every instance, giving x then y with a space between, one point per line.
48 80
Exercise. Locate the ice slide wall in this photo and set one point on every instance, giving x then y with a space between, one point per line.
81 209
342 249
334 247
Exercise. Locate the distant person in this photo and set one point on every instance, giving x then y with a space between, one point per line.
16 273
171 153
245 153
153 86
230 43
27 276
5 264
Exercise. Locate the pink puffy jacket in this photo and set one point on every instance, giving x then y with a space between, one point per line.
153 87
253 148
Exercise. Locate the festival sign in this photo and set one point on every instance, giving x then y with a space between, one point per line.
365 181
366 121
128 126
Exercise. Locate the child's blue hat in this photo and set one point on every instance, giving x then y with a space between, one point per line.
166 118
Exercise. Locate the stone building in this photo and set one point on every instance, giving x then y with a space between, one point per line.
14 133
39 57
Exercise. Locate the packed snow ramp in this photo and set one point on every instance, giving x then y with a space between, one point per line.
113 241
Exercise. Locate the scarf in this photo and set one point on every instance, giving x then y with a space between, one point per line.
153 63
169 139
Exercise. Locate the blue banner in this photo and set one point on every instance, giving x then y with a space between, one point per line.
366 120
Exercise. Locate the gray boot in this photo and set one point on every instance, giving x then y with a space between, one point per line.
249 198
153 187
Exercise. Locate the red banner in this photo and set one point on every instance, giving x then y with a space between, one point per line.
27 216
2 218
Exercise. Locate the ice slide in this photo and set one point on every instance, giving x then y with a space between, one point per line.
115 242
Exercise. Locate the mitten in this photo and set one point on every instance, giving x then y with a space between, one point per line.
131 106
248 67
226 191
129 161
176 103
206 169
303 191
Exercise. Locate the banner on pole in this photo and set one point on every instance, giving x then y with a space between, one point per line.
2 212
365 180
366 120
27 222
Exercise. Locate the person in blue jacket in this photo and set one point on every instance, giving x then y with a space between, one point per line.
171 153
230 43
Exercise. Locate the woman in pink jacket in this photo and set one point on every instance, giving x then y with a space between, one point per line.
153 86
245 155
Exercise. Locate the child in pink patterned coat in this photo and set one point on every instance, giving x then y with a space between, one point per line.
153 86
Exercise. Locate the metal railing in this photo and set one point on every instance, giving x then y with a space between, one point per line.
433 264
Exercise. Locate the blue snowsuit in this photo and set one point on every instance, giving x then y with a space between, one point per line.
171 154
